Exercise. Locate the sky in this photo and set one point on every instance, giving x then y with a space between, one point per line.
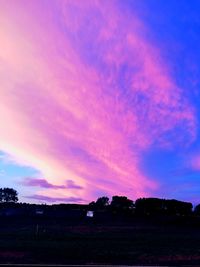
100 98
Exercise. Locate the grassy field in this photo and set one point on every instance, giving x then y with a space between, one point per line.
87 242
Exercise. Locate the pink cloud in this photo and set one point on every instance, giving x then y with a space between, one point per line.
28 181
84 100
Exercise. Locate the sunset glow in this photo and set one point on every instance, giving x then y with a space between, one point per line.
97 100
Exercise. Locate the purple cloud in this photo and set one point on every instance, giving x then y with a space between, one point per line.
72 185
29 181
55 199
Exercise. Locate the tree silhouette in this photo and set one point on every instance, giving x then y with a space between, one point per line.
92 204
157 206
121 203
197 210
102 202
8 195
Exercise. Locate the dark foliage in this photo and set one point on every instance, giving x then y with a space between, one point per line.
156 206
197 210
121 202
8 195
121 205
101 203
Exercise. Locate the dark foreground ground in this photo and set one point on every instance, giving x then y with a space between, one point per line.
133 242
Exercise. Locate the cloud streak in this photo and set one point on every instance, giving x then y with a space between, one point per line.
55 199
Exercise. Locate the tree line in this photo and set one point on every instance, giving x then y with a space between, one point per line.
145 206
123 205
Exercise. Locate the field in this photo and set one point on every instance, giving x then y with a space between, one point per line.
88 242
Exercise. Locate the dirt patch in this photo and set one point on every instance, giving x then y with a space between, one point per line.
169 258
12 254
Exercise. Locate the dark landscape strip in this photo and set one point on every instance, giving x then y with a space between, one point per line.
75 265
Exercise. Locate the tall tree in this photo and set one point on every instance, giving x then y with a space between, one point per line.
8 195
102 202
122 203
